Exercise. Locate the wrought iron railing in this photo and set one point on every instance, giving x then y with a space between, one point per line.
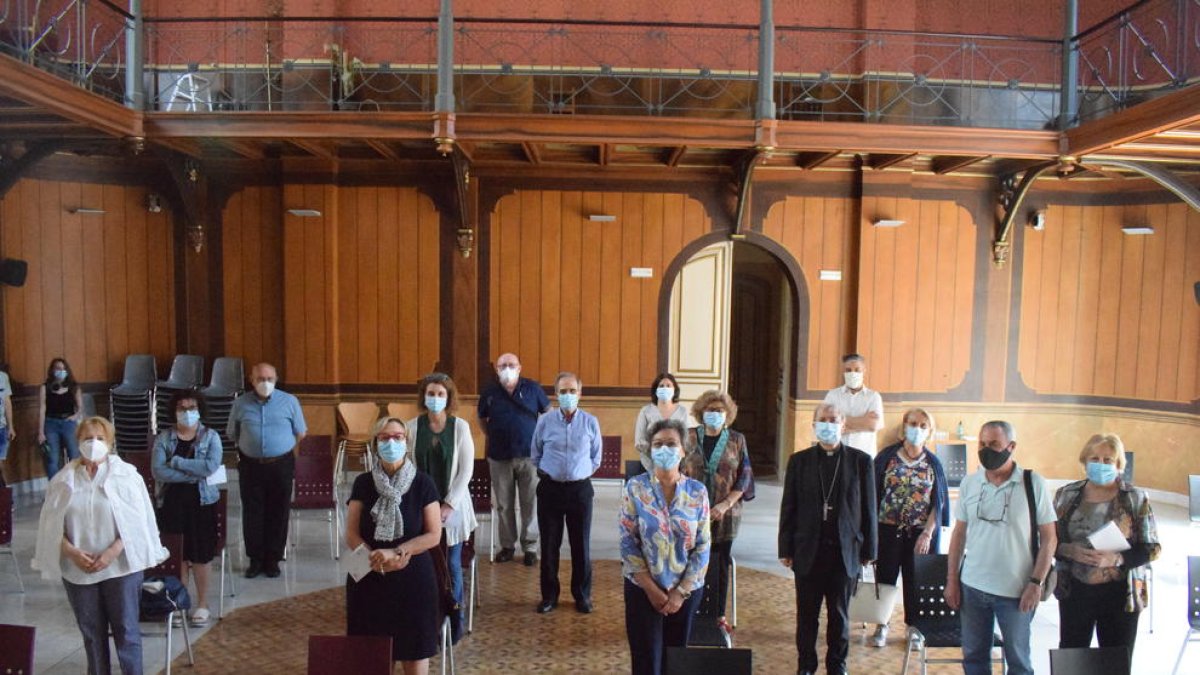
1145 51
82 41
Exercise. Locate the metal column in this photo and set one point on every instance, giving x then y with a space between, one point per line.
1069 98
765 109
135 83
444 102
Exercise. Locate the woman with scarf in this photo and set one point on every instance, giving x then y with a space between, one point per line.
914 504
719 458
394 510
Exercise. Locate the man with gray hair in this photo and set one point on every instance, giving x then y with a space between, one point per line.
566 451
992 575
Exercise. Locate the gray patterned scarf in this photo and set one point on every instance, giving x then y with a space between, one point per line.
389 525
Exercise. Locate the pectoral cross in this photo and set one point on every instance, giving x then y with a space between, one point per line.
828 508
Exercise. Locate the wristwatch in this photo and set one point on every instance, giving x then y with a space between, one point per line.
684 592
1035 581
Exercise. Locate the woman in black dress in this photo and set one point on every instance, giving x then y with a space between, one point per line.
185 455
395 511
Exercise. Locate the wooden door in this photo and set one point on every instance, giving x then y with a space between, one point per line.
699 349
755 364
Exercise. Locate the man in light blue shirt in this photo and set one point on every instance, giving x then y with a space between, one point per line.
267 425
566 451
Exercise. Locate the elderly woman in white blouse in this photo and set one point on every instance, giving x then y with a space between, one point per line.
97 533
663 405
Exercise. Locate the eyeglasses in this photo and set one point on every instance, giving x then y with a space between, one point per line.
988 513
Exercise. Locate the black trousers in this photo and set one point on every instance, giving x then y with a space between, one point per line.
826 581
897 555
266 491
1099 607
650 633
568 504
716 579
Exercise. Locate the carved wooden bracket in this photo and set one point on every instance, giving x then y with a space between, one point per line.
1012 193
745 175
12 168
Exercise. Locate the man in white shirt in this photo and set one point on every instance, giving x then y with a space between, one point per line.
862 407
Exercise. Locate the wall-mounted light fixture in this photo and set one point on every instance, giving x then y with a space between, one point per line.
153 203
466 241
305 213
1037 220
602 218
86 211
887 222
1138 229
830 275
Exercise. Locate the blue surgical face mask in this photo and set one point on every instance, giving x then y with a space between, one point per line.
392 451
916 435
60 374
568 402
1101 473
828 433
665 457
188 418
436 404
714 419
665 393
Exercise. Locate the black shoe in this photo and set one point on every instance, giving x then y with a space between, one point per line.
271 569
254 569
546 607
530 558
583 606
505 555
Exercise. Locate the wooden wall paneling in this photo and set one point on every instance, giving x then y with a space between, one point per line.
551 264
116 259
364 201
964 291
73 247
904 297
235 238
36 358
1064 339
1189 358
137 261
810 216
408 295
295 301
652 251
350 320
389 259
257 266
316 270
571 307
631 311
879 351
1170 319
429 311
1031 297
925 264
1108 315
507 234
944 255
1133 254
609 329
15 351
274 333
528 299
96 305
833 295
866 320
1083 362
54 315
591 242
1048 308
1149 310
160 275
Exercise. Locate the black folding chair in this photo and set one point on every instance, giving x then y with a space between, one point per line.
708 661
1090 661
935 625
1193 608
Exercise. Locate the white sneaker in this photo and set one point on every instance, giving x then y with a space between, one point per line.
880 637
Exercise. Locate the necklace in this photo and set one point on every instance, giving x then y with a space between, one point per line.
827 494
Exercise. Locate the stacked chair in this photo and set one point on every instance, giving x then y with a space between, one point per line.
225 385
132 402
187 373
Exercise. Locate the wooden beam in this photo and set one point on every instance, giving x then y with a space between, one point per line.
676 155
811 160
245 148
316 148
533 153
468 150
59 97
12 170
186 146
947 164
604 153
927 140
1177 109
382 148
879 162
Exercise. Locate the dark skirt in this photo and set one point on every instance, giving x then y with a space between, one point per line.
401 605
181 513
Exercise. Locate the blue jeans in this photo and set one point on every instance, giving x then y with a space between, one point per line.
59 433
112 603
650 633
3 443
980 612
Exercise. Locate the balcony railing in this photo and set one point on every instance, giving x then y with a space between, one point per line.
608 68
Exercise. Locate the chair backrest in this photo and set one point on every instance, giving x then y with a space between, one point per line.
610 458
357 418
933 614
1193 597
6 508
1090 661
1194 498
633 467
89 404
314 481
173 565
187 370
140 371
1127 476
954 459
402 411
227 373
342 654
141 461
708 661
222 519
16 649
317 445
480 486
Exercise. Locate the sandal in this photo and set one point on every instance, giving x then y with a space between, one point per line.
200 617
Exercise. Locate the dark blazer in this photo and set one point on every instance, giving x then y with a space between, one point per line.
800 513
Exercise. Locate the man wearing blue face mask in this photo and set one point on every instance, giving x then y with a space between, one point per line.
827 531
566 451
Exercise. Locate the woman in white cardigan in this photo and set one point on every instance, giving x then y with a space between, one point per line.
444 449
663 405
97 533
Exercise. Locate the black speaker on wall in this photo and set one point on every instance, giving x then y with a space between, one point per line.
13 271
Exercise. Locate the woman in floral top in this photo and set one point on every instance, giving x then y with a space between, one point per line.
665 538
1103 591
913 501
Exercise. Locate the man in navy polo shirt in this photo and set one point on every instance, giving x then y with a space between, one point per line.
509 411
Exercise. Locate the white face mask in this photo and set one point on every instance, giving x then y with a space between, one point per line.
854 380
93 449
508 375
265 388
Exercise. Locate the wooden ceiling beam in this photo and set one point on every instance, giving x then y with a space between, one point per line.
316 148
879 162
244 148
604 154
382 148
1177 109
812 160
948 164
675 155
56 96
187 146
533 153
468 150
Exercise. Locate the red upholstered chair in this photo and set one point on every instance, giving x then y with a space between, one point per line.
314 490
16 649
141 462
610 460
480 488
6 533
343 654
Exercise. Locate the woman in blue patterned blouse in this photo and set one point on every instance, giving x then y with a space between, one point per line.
665 540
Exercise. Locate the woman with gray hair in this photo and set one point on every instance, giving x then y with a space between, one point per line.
394 510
